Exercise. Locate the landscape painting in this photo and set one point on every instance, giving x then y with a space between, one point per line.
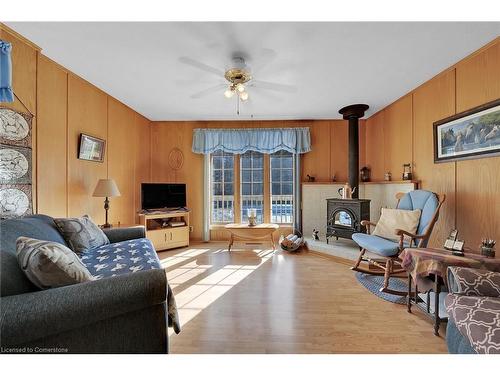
471 134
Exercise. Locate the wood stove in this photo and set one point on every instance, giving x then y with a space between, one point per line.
344 217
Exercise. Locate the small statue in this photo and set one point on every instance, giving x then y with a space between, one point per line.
407 175
315 235
310 178
365 174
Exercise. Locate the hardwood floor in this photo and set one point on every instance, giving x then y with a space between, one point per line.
250 300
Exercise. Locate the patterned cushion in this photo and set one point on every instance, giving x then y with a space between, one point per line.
120 258
474 282
50 264
477 319
81 233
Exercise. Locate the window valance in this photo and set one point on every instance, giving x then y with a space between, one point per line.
6 93
239 141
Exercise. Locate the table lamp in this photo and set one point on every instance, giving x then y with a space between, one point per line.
106 187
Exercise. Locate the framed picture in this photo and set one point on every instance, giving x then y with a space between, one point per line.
91 148
468 135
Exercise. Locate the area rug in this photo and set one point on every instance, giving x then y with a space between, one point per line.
374 283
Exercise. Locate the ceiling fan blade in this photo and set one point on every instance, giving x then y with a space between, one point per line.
208 91
201 66
273 86
265 57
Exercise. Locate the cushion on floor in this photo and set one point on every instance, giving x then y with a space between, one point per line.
121 258
375 244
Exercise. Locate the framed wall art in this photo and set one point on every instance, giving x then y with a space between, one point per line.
471 134
91 148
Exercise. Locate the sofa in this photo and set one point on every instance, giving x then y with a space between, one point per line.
123 311
473 307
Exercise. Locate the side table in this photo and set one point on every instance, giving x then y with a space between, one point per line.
427 269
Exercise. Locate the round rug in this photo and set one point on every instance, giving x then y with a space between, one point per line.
373 283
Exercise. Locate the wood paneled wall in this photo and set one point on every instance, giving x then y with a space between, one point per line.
328 155
64 106
402 132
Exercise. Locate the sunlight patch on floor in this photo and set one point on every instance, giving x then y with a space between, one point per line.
198 295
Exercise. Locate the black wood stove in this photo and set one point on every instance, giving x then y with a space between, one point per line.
344 217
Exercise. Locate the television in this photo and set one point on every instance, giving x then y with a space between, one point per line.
156 196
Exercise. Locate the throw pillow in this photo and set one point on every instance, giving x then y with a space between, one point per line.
81 233
392 219
50 264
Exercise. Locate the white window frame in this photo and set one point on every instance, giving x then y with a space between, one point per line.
223 199
287 198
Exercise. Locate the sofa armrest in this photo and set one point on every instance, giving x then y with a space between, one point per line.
473 282
31 316
124 234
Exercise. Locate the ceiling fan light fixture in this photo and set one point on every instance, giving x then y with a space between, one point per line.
240 87
244 95
228 93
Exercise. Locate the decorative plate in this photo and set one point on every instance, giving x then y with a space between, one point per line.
15 128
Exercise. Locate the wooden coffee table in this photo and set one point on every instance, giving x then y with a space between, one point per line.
256 232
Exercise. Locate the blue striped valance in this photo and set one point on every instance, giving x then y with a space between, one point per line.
6 93
239 141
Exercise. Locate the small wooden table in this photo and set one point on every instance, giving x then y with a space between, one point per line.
427 268
247 232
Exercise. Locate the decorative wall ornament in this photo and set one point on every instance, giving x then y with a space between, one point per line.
175 159
15 164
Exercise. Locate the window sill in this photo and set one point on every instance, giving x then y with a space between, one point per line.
221 226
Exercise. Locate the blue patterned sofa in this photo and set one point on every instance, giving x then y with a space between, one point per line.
123 311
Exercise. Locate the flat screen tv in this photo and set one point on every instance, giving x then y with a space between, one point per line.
163 196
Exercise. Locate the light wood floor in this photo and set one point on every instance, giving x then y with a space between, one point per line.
253 301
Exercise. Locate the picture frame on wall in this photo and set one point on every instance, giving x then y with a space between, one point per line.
468 135
91 148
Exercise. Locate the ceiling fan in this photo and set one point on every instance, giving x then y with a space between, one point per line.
238 79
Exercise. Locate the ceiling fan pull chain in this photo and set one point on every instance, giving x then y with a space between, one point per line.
237 105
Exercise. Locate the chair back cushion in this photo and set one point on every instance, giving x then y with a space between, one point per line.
392 219
42 227
423 200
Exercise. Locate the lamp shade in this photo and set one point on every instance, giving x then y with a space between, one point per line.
106 188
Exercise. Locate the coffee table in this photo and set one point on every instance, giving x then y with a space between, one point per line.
247 232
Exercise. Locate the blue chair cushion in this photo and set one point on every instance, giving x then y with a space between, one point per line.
424 200
376 244
120 258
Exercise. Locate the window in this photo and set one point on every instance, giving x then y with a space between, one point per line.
282 185
252 184
261 182
222 189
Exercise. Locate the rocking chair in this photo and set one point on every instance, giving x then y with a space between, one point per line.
429 203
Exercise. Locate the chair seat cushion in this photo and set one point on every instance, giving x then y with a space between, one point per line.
120 258
375 244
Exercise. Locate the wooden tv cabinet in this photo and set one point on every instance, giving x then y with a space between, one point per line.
162 233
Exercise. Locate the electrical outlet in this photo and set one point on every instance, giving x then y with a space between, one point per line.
191 229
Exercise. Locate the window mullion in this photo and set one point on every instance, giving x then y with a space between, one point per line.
266 187
237 189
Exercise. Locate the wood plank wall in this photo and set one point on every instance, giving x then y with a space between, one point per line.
328 156
64 106
402 132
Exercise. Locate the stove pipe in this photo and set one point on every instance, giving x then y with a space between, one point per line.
353 113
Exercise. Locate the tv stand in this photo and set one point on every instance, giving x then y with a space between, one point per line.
167 230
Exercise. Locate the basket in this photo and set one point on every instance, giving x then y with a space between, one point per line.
292 242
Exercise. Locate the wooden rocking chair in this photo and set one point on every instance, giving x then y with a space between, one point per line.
429 203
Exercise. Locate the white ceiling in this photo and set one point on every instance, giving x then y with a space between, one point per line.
331 64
